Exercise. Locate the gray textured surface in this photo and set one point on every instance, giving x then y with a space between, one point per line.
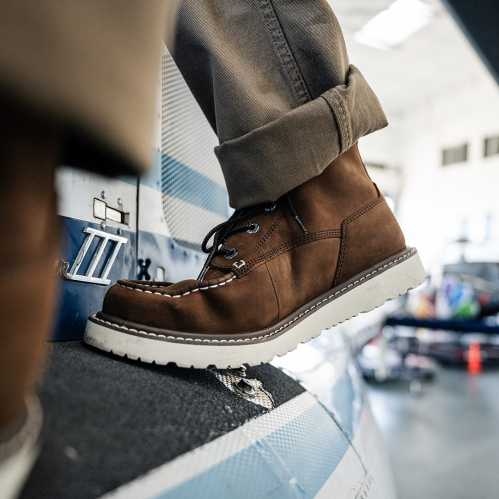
443 443
109 421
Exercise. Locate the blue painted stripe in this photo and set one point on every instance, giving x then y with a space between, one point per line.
183 182
294 461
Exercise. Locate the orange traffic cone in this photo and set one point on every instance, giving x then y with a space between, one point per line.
474 359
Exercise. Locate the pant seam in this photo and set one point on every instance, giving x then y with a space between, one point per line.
283 51
341 114
346 121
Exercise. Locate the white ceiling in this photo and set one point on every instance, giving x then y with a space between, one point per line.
432 62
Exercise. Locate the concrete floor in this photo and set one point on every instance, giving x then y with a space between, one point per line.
444 442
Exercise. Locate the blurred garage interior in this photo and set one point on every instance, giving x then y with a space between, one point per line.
433 370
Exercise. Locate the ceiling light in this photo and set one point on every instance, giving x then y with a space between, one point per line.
395 24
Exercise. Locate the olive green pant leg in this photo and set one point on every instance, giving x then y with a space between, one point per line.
274 81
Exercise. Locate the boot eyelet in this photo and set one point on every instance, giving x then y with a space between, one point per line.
231 253
253 229
270 208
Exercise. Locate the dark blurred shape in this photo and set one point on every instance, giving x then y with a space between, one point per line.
479 22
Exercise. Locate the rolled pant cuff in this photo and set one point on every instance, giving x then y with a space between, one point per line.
273 159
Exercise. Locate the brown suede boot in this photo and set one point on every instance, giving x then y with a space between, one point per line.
275 276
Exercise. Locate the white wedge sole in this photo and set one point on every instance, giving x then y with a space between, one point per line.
363 293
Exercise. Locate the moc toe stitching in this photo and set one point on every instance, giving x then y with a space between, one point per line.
177 295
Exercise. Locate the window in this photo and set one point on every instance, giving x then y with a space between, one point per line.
456 154
490 146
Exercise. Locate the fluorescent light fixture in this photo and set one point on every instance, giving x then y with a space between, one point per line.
395 24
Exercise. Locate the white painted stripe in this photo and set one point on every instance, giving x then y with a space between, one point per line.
189 223
370 445
77 190
195 462
152 218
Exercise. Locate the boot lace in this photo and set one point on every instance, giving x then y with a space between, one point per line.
223 231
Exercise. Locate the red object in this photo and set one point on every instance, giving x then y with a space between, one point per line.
474 359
